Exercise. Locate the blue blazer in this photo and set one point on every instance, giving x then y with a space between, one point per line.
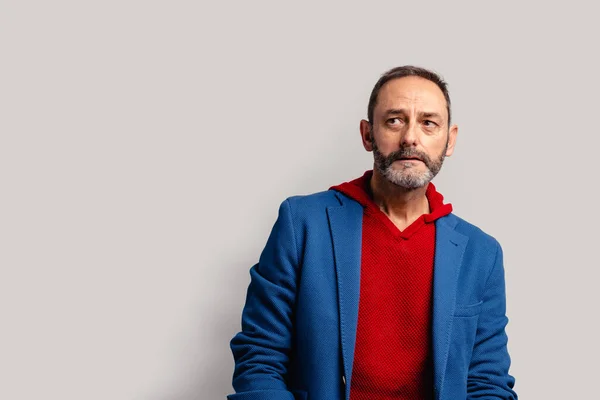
300 316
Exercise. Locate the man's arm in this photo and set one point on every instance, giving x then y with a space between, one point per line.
488 372
261 349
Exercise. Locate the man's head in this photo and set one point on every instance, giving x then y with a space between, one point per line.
409 118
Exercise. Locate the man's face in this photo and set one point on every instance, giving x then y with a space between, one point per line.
410 134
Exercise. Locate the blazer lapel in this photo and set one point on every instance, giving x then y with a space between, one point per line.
449 250
345 223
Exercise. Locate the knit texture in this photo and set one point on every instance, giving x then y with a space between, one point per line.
392 357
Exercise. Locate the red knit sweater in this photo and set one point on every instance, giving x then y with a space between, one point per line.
392 356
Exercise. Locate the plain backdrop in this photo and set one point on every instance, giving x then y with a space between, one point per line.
146 146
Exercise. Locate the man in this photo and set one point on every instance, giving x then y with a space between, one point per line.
374 289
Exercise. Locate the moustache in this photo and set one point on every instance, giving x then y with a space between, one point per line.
408 153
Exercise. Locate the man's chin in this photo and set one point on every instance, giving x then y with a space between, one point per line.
409 185
407 182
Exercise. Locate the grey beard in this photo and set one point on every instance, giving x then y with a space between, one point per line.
404 177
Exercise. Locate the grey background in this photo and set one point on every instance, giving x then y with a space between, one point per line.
146 145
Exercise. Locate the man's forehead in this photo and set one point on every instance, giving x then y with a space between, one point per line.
413 91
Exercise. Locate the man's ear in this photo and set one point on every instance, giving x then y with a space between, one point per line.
452 133
366 134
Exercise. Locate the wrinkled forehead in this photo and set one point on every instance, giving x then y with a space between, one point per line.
412 93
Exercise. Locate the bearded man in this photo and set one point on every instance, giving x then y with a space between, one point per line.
374 289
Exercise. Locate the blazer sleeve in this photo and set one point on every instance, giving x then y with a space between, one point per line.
261 349
488 371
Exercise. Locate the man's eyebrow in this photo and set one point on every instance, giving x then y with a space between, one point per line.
426 114
395 111
431 115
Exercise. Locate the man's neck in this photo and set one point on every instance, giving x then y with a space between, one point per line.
403 206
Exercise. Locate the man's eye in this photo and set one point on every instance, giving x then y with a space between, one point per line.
394 121
429 123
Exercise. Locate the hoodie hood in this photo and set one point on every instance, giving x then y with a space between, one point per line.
359 189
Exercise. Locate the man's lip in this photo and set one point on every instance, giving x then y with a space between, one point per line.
410 158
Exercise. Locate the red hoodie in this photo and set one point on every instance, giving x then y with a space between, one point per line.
392 355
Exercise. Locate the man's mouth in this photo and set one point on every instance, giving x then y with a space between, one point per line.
411 158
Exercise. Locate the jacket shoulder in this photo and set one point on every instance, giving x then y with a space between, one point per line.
474 233
308 203
481 253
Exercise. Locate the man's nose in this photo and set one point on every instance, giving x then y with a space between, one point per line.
409 136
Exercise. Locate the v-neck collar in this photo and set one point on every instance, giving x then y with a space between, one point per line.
405 234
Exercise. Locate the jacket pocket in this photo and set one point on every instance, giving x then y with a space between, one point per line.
469 310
